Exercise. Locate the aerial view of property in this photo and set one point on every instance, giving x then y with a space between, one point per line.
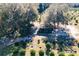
39 29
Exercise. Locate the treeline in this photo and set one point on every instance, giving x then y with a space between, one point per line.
16 20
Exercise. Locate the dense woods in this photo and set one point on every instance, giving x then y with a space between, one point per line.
17 21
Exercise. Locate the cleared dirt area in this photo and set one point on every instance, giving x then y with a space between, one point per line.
35 45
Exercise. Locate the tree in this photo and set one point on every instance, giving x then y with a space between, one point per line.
17 44
45 40
48 46
22 44
32 52
41 53
61 46
56 14
16 20
64 42
42 7
54 44
22 52
47 53
15 53
52 54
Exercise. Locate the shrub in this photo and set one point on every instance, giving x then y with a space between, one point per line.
17 44
41 53
47 53
52 54
15 53
48 46
78 45
61 54
71 55
22 53
32 52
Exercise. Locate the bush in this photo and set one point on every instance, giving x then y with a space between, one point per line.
41 53
23 44
32 52
48 46
71 55
61 54
15 53
22 52
78 45
47 53
52 54
17 44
